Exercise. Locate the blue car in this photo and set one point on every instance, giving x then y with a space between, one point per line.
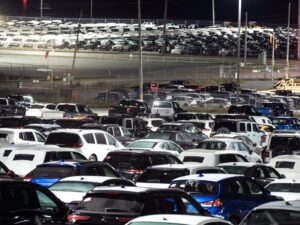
47 174
227 196
286 123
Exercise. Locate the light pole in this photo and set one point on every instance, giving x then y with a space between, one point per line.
288 43
41 13
213 13
141 95
91 10
164 32
239 50
246 43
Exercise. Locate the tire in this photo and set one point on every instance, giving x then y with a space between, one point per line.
223 130
93 158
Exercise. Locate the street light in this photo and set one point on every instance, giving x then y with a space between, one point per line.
91 10
288 43
141 95
41 14
213 12
239 50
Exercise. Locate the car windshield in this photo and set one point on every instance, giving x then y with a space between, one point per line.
273 216
199 187
162 105
154 135
128 161
235 169
125 131
52 172
284 187
142 144
112 203
72 186
163 176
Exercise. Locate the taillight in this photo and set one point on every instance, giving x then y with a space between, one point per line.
214 203
135 171
124 219
128 110
27 178
78 145
76 218
263 138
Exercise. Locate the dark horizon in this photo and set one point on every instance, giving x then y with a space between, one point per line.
266 11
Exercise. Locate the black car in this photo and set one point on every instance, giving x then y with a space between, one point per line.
243 109
119 205
27 203
192 116
131 163
188 128
181 138
17 121
73 123
264 174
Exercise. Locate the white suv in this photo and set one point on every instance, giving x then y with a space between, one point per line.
93 144
21 136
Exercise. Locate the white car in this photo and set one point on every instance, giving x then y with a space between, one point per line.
156 145
288 189
73 189
24 160
153 123
44 111
171 219
185 101
93 144
211 157
288 165
230 144
21 136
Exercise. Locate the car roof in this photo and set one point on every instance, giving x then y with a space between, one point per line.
82 131
226 140
46 125
208 177
245 164
94 179
201 152
282 205
176 219
137 151
134 189
71 163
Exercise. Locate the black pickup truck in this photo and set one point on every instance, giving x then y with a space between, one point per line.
11 107
130 108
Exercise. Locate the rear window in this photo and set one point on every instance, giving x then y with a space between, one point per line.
73 186
290 143
127 161
63 139
235 169
113 203
52 172
142 144
28 157
162 105
198 159
36 106
284 165
152 176
212 145
199 187
284 187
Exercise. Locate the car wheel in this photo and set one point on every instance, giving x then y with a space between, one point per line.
93 158
223 130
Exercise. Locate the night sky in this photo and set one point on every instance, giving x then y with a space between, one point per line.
267 11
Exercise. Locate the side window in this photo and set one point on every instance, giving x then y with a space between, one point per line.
108 172
46 203
179 137
52 107
271 173
174 147
258 173
227 158
39 137
93 170
100 138
128 124
117 132
254 127
50 156
111 140
21 136
240 158
254 189
77 156
173 160
28 136
234 188
242 147
64 155
242 127
189 208
249 127
110 131
158 160
89 138
165 205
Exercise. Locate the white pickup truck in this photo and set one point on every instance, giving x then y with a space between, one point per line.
44 111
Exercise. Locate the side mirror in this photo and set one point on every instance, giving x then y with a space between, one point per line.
282 176
250 151
254 144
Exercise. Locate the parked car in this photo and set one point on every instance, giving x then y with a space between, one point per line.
123 204
230 144
28 203
167 219
165 109
43 128
93 144
49 173
211 157
192 116
288 165
162 175
44 111
287 123
131 163
279 212
262 173
230 197
75 110
153 124
22 160
288 189
21 136
71 190
156 145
